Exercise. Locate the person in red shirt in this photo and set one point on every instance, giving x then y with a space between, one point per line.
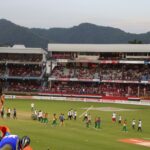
5 131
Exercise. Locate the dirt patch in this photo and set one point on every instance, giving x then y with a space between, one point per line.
111 109
137 142
23 115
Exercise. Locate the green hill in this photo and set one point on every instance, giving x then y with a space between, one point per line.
11 33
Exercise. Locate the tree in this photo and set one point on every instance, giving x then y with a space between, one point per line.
135 42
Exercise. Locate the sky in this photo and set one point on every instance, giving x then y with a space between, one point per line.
129 15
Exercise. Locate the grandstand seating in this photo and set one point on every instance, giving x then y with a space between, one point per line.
103 89
23 86
103 72
2 70
21 72
24 70
62 56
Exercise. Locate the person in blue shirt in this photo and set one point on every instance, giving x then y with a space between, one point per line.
13 142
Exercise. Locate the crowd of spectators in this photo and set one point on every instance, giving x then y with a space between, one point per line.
79 71
63 72
21 70
73 55
100 56
23 86
103 89
131 72
75 88
127 72
63 55
20 65
111 56
25 70
21 57
2 70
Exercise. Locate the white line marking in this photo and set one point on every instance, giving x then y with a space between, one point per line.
86 111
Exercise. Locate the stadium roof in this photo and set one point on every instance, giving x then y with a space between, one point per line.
99 47
22 50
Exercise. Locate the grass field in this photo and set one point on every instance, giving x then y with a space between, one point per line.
74 135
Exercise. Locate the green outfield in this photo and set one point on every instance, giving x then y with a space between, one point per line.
74 135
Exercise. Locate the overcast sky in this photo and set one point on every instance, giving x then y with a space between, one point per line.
129 15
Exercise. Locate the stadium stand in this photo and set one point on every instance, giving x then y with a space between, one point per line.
106 70
22 69
116 70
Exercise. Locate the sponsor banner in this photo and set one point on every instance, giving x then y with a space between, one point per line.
83 99
23 97
106 101
120 81
49 94
70 95
147 98
133 103
134 99
89 100
10 96
146 62
61 60
74 99
59 79
146 82
145 101
73 79
41 97
141 142
96 80
51 78
109 61
81 79
87 60
48 98
77 95
63 79
131 82
108 81
130 62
